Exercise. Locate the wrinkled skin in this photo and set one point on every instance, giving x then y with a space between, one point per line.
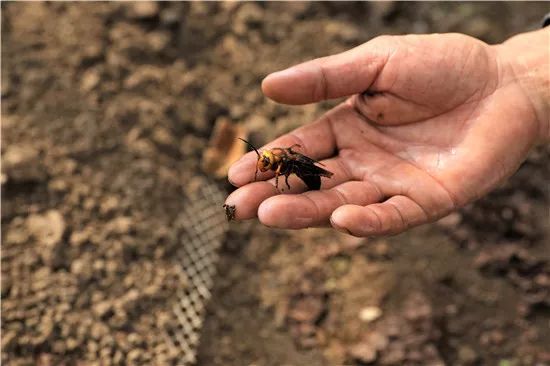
445 119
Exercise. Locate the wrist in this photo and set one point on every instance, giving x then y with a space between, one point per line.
525 61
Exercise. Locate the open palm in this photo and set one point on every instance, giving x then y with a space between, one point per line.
432 123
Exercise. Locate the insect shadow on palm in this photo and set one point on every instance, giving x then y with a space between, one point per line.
286 161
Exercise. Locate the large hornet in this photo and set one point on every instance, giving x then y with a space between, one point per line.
285 161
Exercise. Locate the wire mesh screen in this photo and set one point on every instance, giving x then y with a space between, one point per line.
203 226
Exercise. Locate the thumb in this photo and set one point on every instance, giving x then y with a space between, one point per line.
340 75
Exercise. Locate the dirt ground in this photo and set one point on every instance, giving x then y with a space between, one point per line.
106 108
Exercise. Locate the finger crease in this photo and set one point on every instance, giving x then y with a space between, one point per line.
323 82
404 224
341 196
379 226
453 200
344 169
379 194
317 210
333 134
424 212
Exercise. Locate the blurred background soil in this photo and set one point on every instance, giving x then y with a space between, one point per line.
106 110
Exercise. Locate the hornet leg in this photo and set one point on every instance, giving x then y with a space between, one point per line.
289 149
277 173
286 180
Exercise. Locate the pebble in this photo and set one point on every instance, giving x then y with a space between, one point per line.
21 163
90 80
363 352
307 309
247 15
47 228
467 356
450 221
120 225
171 15
102 308
143 9
370 313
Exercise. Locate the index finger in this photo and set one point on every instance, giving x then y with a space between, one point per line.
344 74
316 140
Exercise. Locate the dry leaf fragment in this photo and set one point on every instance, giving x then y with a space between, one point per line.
224 148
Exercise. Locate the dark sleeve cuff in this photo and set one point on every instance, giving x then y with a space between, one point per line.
546 20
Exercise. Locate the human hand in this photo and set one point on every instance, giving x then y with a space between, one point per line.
444 119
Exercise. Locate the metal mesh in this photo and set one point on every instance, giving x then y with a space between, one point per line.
203 227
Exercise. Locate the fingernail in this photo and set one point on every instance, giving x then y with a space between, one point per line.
286 73
237 162
340 228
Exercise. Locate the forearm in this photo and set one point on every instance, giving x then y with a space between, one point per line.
527 58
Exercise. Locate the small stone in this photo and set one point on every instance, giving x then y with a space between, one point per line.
82 267
163 136
16 235
134 355
450 221
90 79
394 355
6 87
143 77
158 41
47 228
341 31
72 343
340 265
467 356
306 329
307 309
380 249
143 9
377 339
479 27
45 359
247 16
58 346
109 204
381 9
120 225
102 308
542 279
307 342
370 313
497 337
451 309
134 339
118 357
363 352
8 339
58 185
98 330
78 238
21 163
417 307
91 53
171 16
